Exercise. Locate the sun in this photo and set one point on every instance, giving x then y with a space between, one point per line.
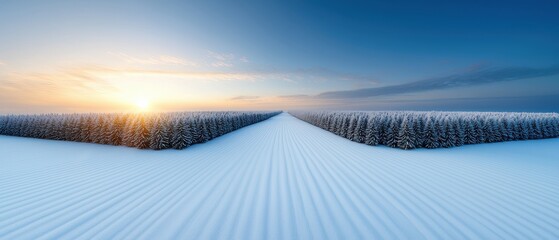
142 104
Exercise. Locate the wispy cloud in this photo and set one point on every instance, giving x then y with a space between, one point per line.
230 75
245 98
91 81
2 63
187 75
43 90
288 76
158 60
221 59
326 74
93 84
469 78
87 75
97 73
225 69
222 64
294 96
540 103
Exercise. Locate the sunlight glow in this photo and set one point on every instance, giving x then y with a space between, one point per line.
142 104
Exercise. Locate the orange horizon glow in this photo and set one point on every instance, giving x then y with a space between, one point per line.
120 89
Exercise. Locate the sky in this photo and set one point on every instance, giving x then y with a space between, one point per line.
107 56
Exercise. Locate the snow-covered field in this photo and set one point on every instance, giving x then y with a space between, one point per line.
278 179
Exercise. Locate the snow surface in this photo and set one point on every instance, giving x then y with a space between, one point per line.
278 179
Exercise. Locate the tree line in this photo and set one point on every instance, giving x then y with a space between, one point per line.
177 130
409 129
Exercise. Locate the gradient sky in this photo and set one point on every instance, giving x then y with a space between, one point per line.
96 56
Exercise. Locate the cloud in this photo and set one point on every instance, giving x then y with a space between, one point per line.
187 75
225 59
245 98
159 60
2 63
221 59
293 76
538 103
86 76
295 96
89 85
222 64
328 74
469 78
34 91
92 80
221 56
97 73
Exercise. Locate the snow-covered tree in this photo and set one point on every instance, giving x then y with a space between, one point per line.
431 137
182 136
470 134
351 127
360 132
141 133
158 135
392 133
406 135
372 134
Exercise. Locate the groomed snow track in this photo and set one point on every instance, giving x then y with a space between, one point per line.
278 179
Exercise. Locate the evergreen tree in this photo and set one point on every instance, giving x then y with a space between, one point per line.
383 123
128 131
515 130
205 133
445 140
360 131
212 127
419 127
221 125
555 124
505 129
406 135
372 133
480 129
85 129
105 130
391 134
459 138
497 131
431 139
344 127
547 128
488 131
333 124
159 137
75 130
182 137
339 125
142 133
116 130
196 130
351 127
469 133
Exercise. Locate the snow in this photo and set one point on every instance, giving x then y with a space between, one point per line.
278 179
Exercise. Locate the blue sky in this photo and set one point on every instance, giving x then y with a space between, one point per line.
81 56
